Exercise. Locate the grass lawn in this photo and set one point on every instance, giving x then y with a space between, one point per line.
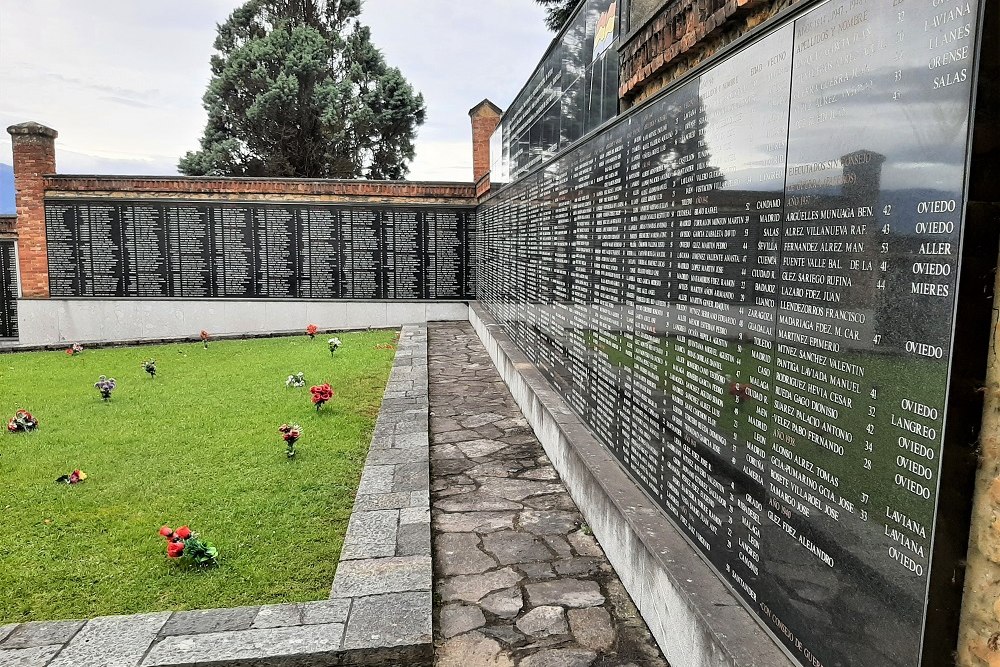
197 445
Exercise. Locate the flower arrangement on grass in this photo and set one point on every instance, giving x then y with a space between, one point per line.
74 349
311 330
105 385
22 422
74 477
321 394
385 346
290 433
204 338
185 544
334 345
150 367
296 381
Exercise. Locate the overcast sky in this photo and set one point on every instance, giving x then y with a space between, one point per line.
122 80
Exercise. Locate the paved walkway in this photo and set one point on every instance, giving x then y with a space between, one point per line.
519 580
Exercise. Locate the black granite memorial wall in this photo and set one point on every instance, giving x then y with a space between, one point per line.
141 248
747 288
8 289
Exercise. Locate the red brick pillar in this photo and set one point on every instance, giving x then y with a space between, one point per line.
34 156
485 118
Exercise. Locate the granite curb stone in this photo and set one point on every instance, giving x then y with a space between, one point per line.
112 641
35 656
200 621
40 633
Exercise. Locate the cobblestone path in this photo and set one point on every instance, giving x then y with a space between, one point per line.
519 580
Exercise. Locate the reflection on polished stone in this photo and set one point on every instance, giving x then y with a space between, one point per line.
747 289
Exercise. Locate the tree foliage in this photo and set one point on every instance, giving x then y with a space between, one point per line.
299 90
557 12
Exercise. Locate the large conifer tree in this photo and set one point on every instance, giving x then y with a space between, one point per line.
557 12
299 90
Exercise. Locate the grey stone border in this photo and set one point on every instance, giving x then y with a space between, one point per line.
694 617
380 607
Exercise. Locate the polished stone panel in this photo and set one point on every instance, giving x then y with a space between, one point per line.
8 289
747 288
143 248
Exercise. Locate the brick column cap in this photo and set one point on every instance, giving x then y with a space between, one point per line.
32 129
474 111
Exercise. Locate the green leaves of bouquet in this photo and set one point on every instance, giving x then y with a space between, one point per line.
185 544
199 552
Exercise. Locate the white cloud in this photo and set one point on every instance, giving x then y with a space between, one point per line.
122 80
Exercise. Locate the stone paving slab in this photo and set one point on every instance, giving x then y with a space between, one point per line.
380 611
40 633
277 616
374 576
318 642
371 534
519 578
209 620
393 619
35 656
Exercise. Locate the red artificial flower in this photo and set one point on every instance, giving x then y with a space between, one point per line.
183 532
11 426
204 335
175 549
321 393
312 329
166 530
69 351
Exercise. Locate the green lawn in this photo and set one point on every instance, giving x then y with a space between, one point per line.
199 446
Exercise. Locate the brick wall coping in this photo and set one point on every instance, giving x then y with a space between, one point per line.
379 611
202 185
